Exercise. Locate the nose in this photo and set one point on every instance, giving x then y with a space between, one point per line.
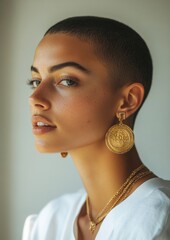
38 100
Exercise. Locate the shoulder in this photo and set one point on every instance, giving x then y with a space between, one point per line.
53 216
28 225
152 209
62 203
156 192
145 213
153 199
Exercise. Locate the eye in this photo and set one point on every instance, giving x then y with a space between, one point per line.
33 83
68 82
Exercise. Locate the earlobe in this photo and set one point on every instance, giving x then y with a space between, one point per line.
132 98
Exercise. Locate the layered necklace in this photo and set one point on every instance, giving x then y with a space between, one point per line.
118 197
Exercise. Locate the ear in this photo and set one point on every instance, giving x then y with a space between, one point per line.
131 98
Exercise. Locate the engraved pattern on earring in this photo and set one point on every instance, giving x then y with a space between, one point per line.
119 138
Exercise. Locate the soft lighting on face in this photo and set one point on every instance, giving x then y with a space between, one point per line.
40 142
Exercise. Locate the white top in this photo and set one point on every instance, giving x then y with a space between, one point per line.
144 215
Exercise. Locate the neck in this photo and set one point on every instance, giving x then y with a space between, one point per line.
103 172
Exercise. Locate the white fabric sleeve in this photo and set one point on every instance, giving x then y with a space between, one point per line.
28 226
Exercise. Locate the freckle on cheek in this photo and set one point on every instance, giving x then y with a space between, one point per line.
88 121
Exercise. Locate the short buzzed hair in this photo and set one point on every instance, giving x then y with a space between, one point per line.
119 46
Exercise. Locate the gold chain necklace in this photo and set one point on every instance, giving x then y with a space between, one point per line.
120 195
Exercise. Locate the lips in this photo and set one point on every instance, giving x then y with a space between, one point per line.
41 125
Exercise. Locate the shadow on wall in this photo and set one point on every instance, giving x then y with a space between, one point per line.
5 78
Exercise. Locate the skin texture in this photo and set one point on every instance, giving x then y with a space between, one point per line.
78 111
82 110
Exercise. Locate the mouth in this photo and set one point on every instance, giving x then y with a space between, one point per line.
41 125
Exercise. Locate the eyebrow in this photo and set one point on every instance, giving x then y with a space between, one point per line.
63 65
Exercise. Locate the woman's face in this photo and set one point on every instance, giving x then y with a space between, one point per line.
73 102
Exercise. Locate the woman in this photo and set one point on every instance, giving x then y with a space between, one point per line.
90 77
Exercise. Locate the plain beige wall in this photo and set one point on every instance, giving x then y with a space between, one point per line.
28 179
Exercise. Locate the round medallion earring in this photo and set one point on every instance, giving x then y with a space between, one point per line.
64 154
119 138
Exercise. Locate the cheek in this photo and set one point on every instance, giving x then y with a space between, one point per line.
85 114
81 120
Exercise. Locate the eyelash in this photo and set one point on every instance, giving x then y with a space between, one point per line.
31 82
68 80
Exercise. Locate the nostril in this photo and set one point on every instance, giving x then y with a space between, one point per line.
38 100
38 103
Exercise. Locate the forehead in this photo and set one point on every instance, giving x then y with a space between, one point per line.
66 47
60 47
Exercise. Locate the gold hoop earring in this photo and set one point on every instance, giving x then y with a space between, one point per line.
64 154
119 138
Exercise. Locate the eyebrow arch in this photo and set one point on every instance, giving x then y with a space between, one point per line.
63 65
